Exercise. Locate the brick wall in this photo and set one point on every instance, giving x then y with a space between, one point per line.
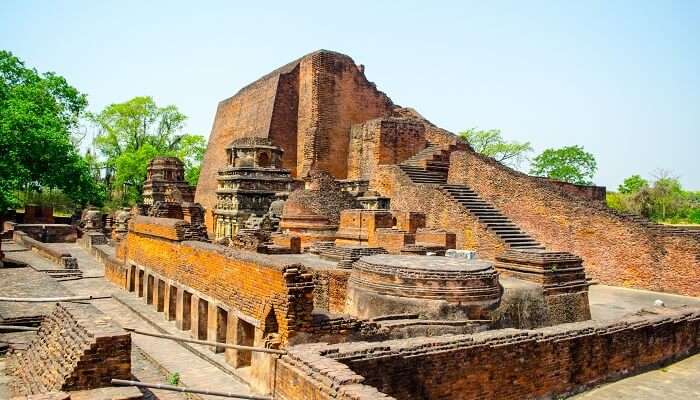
333 95
330 289
616 250
440 211
63 259
76 348
510 363
306 107
244 281
249 113
283 126
383 141
115 270
48 233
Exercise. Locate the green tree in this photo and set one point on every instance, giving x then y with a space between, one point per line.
667 198
133 132
633 184
491 143
38 114
191 152
569 164
663 201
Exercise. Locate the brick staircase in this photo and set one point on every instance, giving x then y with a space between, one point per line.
491 217
433 158
430 166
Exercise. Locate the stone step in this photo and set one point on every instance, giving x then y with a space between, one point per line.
490 216
519 241
520 235
534 246
476 205
503 228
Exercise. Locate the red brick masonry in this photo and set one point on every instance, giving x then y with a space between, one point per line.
502 364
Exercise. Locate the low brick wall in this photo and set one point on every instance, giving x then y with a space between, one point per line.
115 270
48 233
64 259
501 364
586 192
76 348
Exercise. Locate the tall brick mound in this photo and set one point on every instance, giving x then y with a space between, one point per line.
76 348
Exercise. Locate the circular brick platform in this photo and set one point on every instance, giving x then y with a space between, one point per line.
433 287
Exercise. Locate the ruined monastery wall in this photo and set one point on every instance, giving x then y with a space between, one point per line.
502 364
249 113
440 211
383 141
76 348
334 95
250 285
615 249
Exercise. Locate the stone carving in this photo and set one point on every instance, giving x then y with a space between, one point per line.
165 182
248 186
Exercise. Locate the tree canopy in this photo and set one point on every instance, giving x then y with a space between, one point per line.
569 164
633 184
133 132
491 143
38 113
664 200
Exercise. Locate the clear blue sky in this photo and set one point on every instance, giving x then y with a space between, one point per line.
620 78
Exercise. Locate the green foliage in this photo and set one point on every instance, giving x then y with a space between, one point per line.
694 216
569 164
174 378
490 143
133 132
38 113
61 203
191 152
662 201
633 184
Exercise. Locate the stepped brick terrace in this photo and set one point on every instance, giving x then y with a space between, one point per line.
340 246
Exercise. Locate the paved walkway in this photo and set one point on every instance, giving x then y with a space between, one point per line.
194 371
612 302
678 381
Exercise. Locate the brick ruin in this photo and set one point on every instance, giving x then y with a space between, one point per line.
387 257
502 364
74 350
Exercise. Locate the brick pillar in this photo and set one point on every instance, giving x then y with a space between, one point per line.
166 302
149 282
217 326
213 326
183 307
231 355
159 298
153 287
131 283
194 312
